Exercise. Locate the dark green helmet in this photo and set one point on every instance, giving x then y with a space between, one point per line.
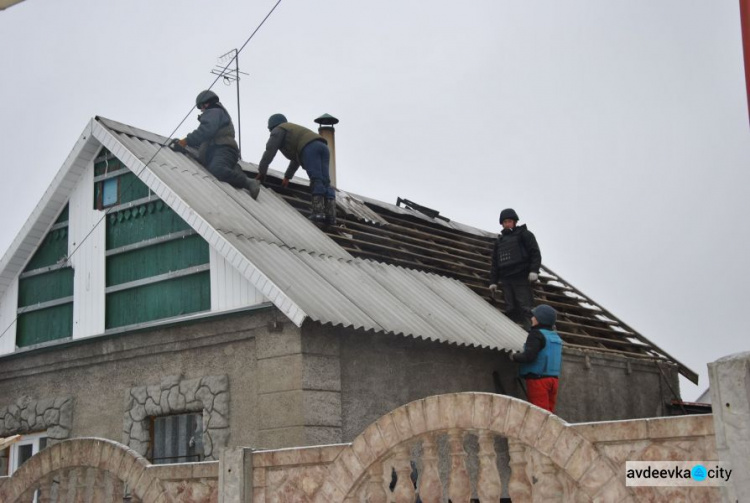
205 97
275 120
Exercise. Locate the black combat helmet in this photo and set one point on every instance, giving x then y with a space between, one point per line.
205 97
508 213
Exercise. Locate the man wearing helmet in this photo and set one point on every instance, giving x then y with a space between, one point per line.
541 359
217 148
516 259
308 149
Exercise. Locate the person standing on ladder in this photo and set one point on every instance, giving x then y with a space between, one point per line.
308 149
541 359
516 260
218 151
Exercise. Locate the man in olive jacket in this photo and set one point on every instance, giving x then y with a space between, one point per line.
217 148
308 149
516 260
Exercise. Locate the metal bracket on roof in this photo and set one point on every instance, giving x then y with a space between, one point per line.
422 209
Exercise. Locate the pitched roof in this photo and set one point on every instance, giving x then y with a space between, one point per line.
422 240
300 269
385 268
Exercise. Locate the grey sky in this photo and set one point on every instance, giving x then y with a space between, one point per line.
618 130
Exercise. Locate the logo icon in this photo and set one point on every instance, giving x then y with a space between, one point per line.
698 473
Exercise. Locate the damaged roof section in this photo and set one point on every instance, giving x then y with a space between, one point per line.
411 238
304 272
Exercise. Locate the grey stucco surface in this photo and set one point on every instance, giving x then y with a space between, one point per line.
99 372
730 393
602 387
313 385
380 373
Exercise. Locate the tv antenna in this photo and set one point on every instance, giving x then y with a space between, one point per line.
230 76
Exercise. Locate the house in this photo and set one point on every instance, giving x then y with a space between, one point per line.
146 302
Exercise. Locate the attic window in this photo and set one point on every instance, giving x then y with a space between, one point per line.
110 192
106 192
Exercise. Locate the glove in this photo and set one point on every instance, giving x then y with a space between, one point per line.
285 182
260 177
533 277
178 145
493 289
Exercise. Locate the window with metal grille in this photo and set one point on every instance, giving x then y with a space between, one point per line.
177 438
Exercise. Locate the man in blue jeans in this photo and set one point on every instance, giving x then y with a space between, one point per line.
308 149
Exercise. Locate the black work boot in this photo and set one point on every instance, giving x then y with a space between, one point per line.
318 207
253 187
331 211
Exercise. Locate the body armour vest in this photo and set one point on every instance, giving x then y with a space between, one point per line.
297 138
510 251
549 360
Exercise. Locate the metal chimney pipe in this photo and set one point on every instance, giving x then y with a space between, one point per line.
327 131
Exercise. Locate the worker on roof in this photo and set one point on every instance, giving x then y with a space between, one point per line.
516 260
217 148
541 359
308 149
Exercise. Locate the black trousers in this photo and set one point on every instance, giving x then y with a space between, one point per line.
519 299
221 162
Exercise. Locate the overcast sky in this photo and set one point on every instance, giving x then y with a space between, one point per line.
617 129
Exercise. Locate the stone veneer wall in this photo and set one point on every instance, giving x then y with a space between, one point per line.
311 474
299 474
189 483
291 474
27 415
175 395
684 438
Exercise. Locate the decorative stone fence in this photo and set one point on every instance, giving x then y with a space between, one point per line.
482 447
467 446
98 470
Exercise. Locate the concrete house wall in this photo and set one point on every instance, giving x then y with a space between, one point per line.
381 372
280 385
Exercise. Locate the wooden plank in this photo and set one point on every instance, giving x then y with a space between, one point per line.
422 250
602 340
616 351
390 230
8 441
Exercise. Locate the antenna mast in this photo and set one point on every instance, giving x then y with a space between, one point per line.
230 76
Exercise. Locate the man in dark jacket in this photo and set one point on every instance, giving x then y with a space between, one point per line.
516 260
541 359
217 148
308 149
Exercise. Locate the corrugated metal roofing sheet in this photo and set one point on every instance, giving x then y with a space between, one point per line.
374 296
287 258
300 269
353 205
226 209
